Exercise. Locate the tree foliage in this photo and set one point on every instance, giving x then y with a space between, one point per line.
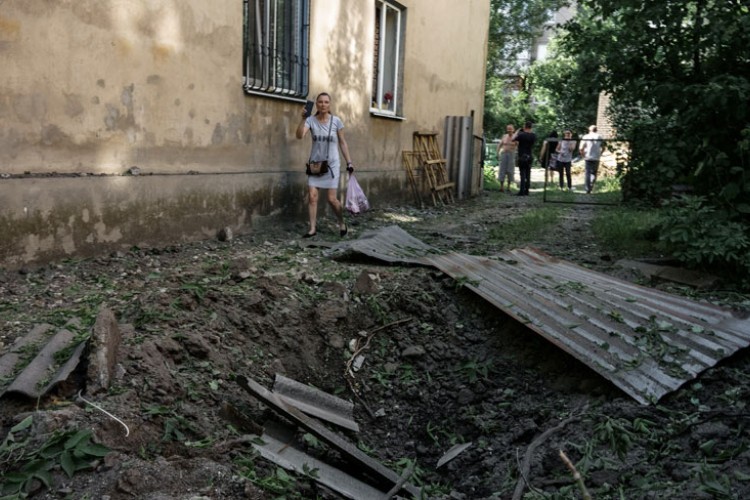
566 88
514 26
678 72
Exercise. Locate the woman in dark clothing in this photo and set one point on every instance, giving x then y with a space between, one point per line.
548 152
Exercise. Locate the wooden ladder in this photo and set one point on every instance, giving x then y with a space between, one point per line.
434 167
410 160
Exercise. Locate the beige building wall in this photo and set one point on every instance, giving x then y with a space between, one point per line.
91 88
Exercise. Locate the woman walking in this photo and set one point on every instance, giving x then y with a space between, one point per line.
327 133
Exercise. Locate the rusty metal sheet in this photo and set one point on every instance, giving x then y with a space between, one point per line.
647 342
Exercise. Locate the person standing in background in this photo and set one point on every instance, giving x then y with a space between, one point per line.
548 156
506 151
525 139
591 150
565 150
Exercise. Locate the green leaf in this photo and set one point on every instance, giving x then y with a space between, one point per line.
15 477
23 424
96 450
35 466
67 463
44 476
77 438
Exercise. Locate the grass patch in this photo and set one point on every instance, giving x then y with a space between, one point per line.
627 231
490 179
526 227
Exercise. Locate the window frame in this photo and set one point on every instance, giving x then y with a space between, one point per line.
379 105
276 48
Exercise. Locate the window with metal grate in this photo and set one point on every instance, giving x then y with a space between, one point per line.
276 47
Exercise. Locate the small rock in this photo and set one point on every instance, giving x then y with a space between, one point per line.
380 412
391 367
225 234
413 351
358 362
465 396
366 283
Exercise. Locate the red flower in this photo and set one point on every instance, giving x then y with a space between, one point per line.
388 96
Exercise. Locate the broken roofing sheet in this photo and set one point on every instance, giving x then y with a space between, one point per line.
648 343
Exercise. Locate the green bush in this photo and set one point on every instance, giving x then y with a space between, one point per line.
699 235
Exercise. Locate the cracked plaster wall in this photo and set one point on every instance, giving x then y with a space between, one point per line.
90 88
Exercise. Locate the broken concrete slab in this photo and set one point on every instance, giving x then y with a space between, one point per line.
104 344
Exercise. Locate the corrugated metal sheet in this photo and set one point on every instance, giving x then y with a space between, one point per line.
315 402
645 341
42 373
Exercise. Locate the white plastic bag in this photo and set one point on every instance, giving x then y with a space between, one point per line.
356 201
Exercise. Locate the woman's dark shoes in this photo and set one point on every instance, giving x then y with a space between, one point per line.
309 235
343 232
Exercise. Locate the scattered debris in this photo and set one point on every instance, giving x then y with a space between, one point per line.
576 476
44 372
127 429
104 344
276 449
452 453
366 284
384 477
525 467
358 362
315 402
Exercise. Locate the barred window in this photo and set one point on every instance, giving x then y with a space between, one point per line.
276 47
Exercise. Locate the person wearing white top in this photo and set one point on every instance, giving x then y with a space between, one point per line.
565 150
327 133
591 150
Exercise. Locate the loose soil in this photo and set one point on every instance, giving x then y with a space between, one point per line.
442 368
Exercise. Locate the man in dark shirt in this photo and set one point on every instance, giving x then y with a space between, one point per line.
525 139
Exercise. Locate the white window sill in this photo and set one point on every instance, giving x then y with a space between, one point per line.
381 114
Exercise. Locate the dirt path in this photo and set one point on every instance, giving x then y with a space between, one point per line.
450 370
